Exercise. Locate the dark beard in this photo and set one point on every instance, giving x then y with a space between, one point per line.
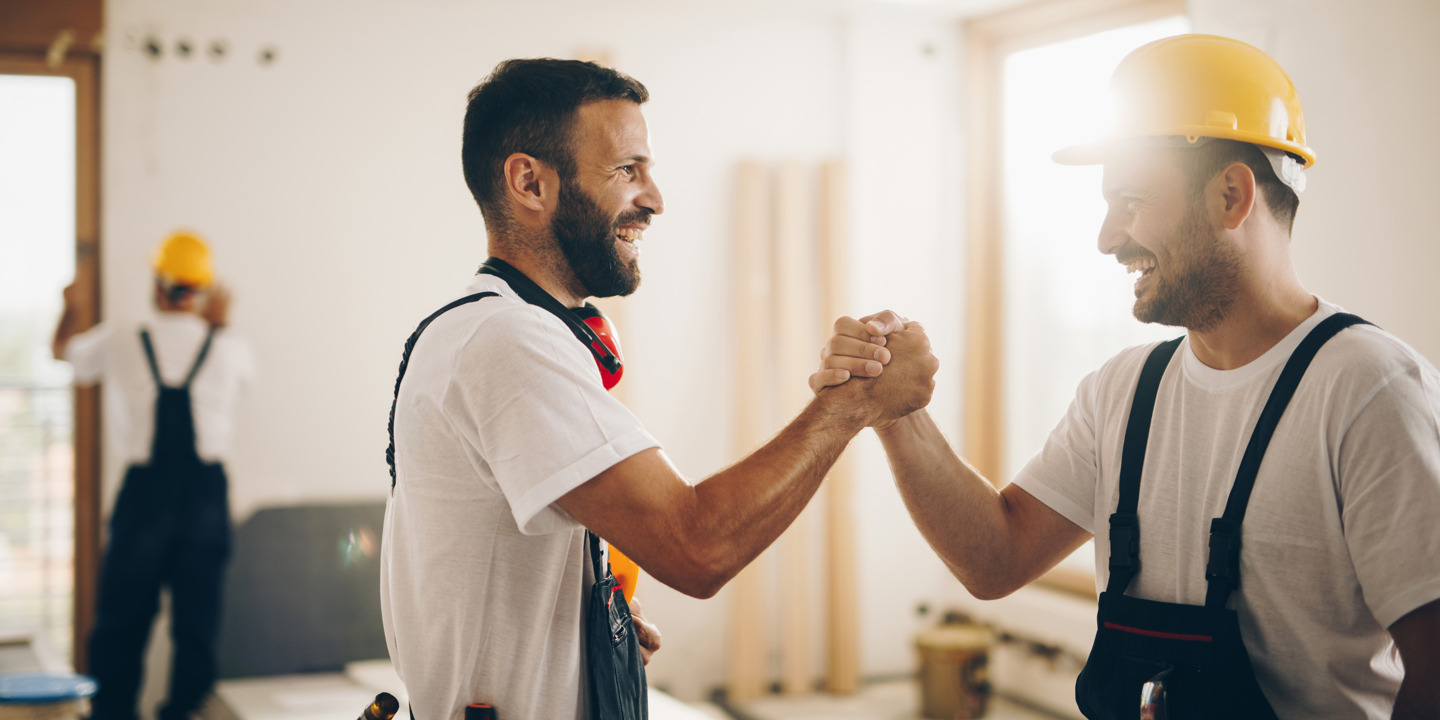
1200 280
586 236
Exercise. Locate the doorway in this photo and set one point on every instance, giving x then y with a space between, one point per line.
49 435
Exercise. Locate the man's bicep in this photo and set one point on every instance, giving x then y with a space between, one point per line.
643 506
1042 536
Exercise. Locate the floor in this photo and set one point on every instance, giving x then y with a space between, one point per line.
327 696
897 700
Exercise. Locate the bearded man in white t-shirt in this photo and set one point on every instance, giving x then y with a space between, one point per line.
1314 590
507 447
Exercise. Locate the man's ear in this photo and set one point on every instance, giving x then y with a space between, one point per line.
1233 194
530 184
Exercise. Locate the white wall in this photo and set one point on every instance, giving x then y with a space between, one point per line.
1365 233
906 220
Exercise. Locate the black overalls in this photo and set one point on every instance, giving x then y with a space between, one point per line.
1194 652
171 526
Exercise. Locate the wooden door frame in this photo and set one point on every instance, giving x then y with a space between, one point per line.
988 40
84 69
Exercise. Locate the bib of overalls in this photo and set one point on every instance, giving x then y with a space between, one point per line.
174 442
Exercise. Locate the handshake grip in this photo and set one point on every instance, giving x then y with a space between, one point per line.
907 382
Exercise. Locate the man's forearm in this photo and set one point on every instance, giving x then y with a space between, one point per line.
958 511
742 510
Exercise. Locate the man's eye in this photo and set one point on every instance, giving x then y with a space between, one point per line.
628 169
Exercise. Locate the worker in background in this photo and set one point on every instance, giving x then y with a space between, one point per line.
1254 565
171 387
508 452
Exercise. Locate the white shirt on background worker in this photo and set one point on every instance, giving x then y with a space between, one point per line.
112 354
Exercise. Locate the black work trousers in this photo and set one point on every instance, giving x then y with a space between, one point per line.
170 527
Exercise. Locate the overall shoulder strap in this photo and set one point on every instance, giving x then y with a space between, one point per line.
200 358
150 356
532 293
597 556
1125 522
405 360
1222 570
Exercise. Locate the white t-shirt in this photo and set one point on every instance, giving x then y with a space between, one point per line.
483 577
112 354
1340 538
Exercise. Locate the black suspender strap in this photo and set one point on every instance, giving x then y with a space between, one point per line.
532 293
200 359
1222 570
155 367
1125 523
405 360
597 556
150 355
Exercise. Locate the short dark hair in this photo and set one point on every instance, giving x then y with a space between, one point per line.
1203 163
528 106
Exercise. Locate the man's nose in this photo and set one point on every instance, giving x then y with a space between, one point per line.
1112 235
650 199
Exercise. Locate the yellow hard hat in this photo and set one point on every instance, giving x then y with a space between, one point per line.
184 259
1201 86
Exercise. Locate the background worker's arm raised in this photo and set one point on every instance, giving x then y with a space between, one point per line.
993 541
695 538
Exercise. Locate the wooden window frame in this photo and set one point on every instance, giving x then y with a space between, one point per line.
988 40
84 69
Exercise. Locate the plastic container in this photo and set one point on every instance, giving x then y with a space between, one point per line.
954 671
45 696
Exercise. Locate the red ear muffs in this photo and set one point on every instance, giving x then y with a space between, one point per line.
605 330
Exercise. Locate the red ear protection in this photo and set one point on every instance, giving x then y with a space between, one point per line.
605 330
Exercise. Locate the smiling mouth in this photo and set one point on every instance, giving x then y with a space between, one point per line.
630 235
1141 265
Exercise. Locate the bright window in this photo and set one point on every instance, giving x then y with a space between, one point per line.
37 260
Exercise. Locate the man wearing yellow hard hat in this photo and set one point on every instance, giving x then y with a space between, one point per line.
1262 491
171 387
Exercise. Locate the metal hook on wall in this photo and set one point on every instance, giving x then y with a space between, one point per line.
55 56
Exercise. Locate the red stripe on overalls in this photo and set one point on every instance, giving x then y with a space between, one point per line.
1154 633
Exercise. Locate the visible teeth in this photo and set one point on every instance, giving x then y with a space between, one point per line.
1140 265
630 235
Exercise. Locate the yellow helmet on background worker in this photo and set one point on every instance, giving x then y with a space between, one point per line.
184 259
1183 89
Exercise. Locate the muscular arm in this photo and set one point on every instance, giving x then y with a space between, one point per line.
695 538
1417 635
993 541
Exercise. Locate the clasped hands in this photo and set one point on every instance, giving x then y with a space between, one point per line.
890 360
